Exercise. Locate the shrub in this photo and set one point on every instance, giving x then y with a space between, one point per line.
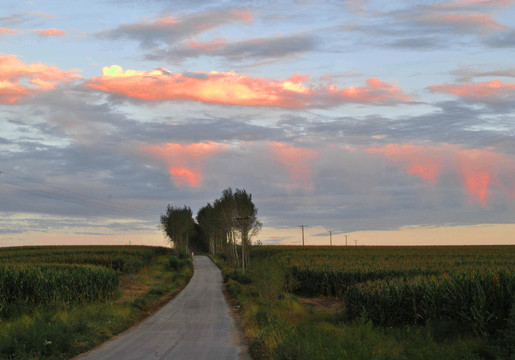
174 262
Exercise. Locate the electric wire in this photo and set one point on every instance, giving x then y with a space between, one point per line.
73 196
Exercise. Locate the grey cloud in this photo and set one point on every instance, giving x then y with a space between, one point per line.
245 50
152 33
428 27
502 40
201 76
467 74
422 43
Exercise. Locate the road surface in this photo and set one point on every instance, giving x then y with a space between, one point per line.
196 324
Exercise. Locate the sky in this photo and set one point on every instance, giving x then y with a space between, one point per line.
390 122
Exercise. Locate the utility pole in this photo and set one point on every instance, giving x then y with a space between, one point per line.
331 237
356 242
240 220
302 227
346 236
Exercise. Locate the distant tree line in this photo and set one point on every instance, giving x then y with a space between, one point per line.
225 227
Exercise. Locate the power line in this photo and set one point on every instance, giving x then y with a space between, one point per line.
72 196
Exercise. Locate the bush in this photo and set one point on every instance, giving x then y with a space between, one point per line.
174 263
239 277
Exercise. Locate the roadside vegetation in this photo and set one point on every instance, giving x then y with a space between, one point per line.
59 301
376 302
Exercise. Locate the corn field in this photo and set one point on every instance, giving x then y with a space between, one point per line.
56 284
124 259
394 286
67 274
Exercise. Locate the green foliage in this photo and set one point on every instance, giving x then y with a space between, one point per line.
229 225
477 301
398 303
56 311
178 225
174 262
125 259
239 277
56 284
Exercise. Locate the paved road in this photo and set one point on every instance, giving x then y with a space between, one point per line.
196 324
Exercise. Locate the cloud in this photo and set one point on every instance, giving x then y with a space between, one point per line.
231 88
4 30
51 32
14 73
479 169
374 92
502 40
356 6
475 4
169 30
277 47
184 160
424 162
466 74
442 25
298 162
450 19
494 91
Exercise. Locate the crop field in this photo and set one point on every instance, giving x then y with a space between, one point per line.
125 259
60 275
58 301
448 293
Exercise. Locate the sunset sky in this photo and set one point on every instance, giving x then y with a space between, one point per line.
391 121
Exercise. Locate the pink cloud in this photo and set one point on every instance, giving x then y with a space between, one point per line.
4 30
375 91
477 168
231 88
480 170
241 15
184 161
51 32
424 162
485 22
478 3
297 161
491 91
209 46
14 73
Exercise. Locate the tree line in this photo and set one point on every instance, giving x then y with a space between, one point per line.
225 227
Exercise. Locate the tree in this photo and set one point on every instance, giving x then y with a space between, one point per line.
209 222
231 215
249 226
198 241
178 225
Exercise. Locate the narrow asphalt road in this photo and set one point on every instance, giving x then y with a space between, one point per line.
196 324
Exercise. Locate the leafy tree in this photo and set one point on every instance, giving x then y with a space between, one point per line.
248 225
178 225
198 241
231 219
209 222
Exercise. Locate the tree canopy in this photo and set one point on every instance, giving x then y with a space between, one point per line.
223 227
